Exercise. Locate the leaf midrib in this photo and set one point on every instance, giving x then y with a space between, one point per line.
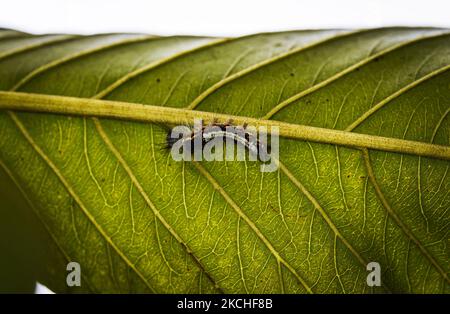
29 102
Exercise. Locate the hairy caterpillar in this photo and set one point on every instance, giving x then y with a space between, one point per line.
202 135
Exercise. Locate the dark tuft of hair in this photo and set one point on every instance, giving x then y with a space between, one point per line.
170 141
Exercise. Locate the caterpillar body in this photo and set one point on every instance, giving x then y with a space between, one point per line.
199 137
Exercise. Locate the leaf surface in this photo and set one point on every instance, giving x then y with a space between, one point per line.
111 198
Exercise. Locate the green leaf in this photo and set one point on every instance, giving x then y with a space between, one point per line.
363 170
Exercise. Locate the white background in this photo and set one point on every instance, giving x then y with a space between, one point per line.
216 18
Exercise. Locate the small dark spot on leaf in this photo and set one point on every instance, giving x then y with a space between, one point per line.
291 74
272 208
362 177
158 80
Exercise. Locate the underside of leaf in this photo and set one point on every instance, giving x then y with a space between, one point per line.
362 173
